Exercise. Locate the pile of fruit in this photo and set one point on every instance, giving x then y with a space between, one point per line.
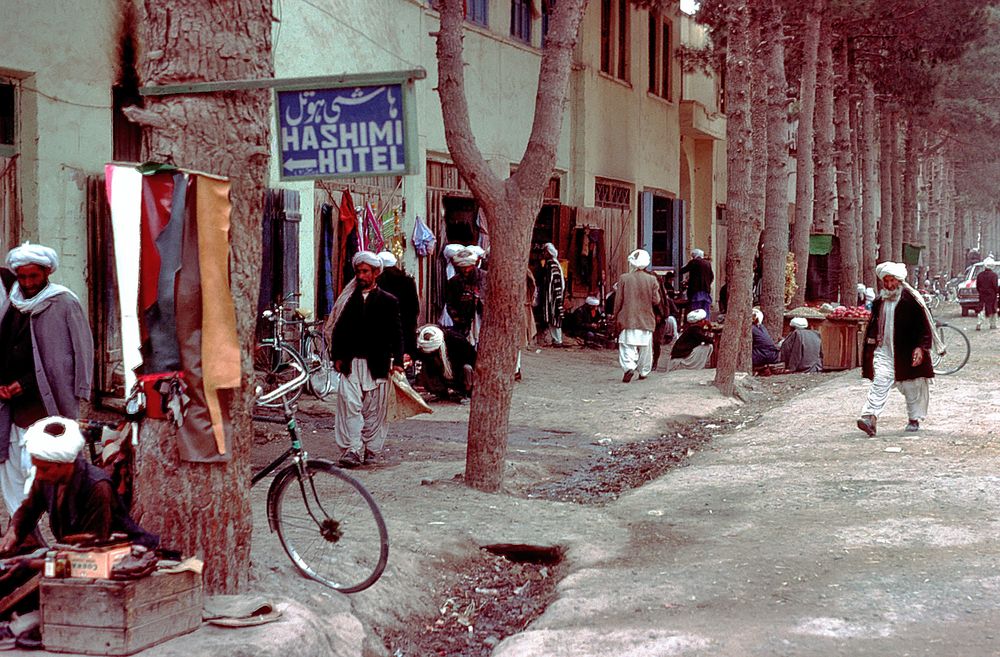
850 312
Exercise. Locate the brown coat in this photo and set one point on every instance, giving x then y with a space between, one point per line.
637 295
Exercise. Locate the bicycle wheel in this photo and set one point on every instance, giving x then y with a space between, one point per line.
957 354
321 372
329 526
274 367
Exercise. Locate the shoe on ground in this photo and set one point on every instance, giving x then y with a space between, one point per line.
628 376
643 377
30 640
350 460
371 457
867 424
7 639
912 426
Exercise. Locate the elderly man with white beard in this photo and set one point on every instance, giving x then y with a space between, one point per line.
897 351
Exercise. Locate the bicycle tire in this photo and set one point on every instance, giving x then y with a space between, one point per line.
958 350
347 553
272 367
321 372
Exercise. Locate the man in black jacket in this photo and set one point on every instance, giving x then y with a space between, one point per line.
367 345
897 349
401 285
986 285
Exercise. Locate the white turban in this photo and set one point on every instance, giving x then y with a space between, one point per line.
758 315
592 301
696 316
54 439
368 258
799 322
894 269
430 338
478 250
861 288
638 259
449 251
990 262
388 258
551 249
869 294
465 258
32 254
697 253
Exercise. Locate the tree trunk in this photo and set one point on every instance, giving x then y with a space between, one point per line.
847 229
804 190
887 151
897 194
959 236
868 226
204 509
775 240
910 163
934 235
743 226
511 207
826 174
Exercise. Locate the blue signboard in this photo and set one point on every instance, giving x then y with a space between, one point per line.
346 131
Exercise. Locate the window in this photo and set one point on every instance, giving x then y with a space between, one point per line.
612 194
7 115
547 7
520 20
615 35
661 231
660 56
476 11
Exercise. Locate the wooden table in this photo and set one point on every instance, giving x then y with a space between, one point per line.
842 342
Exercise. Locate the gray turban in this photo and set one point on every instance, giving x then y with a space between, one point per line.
697 253
32 254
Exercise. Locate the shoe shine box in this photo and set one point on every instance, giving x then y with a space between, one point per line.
95 563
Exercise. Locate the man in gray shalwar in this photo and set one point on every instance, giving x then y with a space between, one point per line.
802 349
46 361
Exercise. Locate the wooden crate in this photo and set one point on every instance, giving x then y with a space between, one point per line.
104 617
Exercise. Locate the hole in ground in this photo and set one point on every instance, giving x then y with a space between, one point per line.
524 553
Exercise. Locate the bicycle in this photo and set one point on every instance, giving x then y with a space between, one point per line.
278 360
957 349
327 522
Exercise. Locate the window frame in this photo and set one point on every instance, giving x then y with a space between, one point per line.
472 10
521 20
661 60
9 148
606 31
624 41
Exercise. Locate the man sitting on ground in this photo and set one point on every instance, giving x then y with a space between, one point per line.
586 322
802 349
447 362
695 344
764 350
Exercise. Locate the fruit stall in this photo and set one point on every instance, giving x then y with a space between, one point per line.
841 331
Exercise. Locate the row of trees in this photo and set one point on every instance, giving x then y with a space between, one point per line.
886 146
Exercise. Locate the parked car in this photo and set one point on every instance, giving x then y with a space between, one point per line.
968 296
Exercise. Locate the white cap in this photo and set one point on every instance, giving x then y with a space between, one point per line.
799 322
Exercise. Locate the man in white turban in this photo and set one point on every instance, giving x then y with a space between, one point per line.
46 360
401 285
637 295
897 350
700 279
447 361
87 503
764 352
367 344
551 294
464 295
693 349
802 349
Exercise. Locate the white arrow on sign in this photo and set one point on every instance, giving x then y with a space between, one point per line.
294 165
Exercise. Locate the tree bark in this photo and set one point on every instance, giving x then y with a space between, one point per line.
804 189
743 226
897 194
204 509
847 230
959 235
869 230
934 235
511 207
910 164
886 125
826 174
776 225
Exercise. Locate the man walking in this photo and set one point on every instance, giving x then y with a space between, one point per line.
636 296
700 277
897 348
986 286
46 361
367 345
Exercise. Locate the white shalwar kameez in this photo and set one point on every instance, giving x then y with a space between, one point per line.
916 391
635 351
361 410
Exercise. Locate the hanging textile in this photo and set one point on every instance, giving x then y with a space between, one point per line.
350 238
484 232
423 238
372 231
325 263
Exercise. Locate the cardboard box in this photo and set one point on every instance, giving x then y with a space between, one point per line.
95 563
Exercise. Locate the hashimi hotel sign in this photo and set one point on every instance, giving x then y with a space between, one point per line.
341 131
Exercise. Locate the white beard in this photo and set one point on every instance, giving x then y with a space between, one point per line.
891 295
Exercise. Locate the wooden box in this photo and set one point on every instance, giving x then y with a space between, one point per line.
105 617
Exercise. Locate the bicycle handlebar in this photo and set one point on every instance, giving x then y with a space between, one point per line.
280 391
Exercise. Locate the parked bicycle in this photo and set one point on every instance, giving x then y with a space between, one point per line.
957 349
277 359
326 521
